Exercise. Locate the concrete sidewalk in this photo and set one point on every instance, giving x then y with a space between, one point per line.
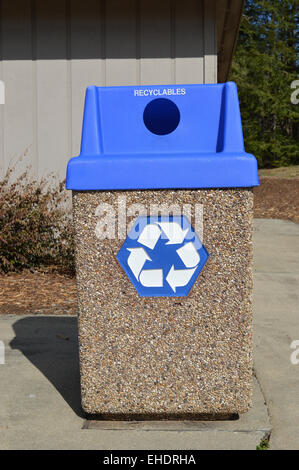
276 325
40 393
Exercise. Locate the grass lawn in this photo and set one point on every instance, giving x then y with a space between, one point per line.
283 172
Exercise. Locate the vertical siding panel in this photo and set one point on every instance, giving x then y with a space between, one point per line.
52 50
210 42
87 62
34 86
156 44
121 64
69 76
189 41
52 104
138 40
2 106
17 76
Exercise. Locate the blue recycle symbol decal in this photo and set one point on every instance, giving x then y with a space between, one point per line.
162 256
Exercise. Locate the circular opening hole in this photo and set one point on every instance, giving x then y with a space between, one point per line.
161 116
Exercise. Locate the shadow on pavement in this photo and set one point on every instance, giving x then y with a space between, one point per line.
50 343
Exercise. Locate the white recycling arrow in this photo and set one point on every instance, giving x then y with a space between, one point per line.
179 277
149 236
173 231
151 278
189 255
136 260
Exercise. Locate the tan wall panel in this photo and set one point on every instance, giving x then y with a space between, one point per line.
52 50
87 64
52 82
189 41
120 43
156 47
210 42
17 126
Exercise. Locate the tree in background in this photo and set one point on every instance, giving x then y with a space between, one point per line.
265 64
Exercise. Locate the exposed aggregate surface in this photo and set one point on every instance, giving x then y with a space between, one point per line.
167 356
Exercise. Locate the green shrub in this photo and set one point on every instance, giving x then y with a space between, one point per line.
35 225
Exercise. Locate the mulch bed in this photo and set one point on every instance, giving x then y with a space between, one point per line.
277 198
37 293
55 294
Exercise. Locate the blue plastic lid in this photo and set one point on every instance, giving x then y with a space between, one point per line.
166 136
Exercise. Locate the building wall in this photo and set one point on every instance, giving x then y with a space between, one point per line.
51 50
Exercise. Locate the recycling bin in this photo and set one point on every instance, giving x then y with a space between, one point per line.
162 207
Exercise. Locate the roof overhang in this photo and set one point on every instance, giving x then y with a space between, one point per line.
229 14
